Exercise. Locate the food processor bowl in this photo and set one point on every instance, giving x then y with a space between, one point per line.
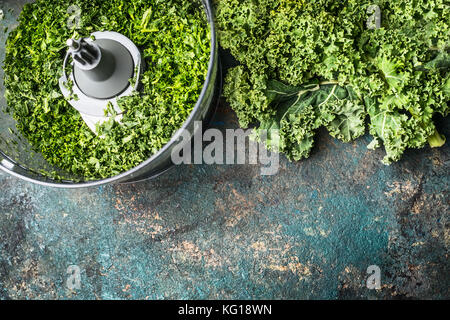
18 158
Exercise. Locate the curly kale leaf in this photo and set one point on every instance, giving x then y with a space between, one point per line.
302 110
397 76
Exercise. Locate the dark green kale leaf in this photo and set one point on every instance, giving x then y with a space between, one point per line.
302 110
397 76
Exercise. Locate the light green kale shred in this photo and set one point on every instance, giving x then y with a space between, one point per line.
174 38
315 63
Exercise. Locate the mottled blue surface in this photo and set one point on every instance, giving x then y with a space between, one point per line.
226 232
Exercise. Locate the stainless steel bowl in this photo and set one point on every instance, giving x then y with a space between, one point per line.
18 159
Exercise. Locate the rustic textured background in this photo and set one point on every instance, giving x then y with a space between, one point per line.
226 232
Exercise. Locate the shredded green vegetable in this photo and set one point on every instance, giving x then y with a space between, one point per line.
174 38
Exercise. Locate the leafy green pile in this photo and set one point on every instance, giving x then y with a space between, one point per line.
174 38
306 64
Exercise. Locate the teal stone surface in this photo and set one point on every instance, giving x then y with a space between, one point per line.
226 232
